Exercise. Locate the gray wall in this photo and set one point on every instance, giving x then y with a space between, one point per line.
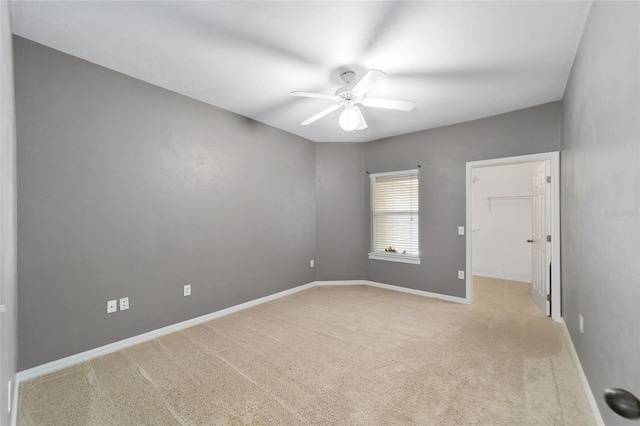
600 200
8 271
442 153
126 189
341 234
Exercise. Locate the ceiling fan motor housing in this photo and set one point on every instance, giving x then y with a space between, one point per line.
346 96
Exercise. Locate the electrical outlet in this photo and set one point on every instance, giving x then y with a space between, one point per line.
581 323
187 290
460 230
461 275
112 306
124 303
312 263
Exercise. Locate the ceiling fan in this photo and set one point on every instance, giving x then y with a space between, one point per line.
349 96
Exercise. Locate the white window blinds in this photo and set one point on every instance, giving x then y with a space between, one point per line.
395 210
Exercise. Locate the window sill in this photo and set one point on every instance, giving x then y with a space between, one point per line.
395 257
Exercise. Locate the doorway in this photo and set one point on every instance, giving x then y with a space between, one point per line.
496 205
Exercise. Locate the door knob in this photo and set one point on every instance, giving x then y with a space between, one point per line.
623 402
529 241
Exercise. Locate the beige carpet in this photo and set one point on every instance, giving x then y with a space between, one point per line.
349 355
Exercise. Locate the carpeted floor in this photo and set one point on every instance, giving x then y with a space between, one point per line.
345 355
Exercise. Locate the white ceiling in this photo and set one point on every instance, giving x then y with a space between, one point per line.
458 61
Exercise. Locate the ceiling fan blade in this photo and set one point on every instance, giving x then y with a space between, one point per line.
315 95
369 80
362 124
320 115
388 104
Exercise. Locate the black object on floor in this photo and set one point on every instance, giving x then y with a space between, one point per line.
623 402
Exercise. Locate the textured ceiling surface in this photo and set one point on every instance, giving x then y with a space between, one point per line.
458 61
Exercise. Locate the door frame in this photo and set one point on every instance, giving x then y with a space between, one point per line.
554 159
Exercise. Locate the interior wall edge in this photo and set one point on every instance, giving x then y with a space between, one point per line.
8 221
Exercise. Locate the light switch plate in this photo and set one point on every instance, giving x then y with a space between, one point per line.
112 306
460 230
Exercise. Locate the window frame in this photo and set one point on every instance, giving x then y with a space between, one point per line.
390 256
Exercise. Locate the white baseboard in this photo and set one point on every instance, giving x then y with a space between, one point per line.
583 378
395 288
423 293
14 403
59 364
347 282
523 278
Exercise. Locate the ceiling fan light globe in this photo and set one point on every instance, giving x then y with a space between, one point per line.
349 119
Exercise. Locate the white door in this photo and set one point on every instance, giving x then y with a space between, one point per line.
541 253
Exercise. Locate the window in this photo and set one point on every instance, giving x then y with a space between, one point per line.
394 216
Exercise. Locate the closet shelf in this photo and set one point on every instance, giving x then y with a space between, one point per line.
507 197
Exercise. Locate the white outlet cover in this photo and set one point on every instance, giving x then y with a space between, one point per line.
460 230
112 306
124 303
187 290
312 263
461 275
